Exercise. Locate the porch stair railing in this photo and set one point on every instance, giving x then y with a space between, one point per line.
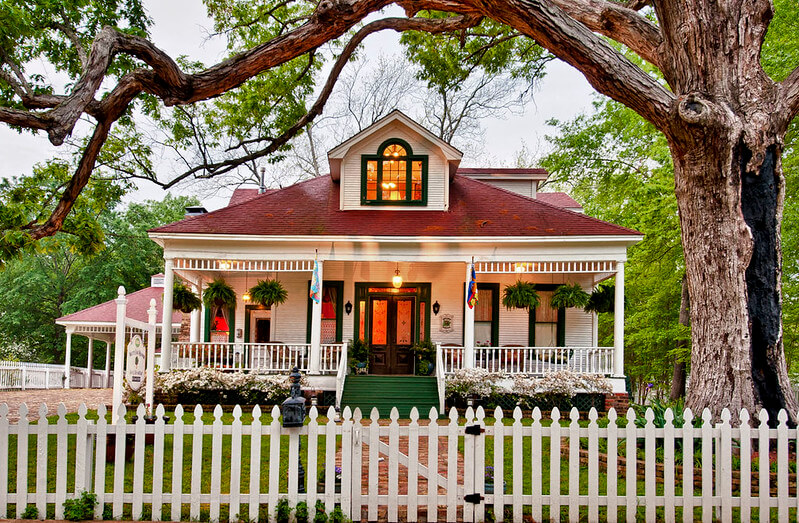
341 375
440 378
533 360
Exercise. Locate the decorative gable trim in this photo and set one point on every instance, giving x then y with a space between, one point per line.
336 154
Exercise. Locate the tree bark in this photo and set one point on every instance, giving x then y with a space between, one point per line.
680 366
729 211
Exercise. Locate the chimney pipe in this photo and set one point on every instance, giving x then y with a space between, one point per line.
262 186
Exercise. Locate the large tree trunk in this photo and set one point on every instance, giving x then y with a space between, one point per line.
680 366
730 208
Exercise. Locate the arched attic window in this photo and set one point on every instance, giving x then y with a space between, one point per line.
394 176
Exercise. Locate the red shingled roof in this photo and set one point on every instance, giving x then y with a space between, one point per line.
138 303
559 199
311 208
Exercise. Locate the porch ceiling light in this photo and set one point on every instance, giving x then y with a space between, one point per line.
519 267
245 296
397 279
224 264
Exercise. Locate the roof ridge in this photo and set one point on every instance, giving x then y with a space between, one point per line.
551 206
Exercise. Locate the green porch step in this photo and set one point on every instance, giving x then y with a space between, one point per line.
385 392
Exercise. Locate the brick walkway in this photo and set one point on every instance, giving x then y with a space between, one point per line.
71 398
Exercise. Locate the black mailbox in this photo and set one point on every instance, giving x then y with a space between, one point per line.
294 407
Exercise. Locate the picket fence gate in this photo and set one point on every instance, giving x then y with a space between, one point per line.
381 469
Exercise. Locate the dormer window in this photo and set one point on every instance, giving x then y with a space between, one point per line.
394 176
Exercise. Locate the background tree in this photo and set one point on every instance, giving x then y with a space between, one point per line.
37 288
723 117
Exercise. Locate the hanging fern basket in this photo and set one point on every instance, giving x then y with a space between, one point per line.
568 296
219 293
603 299
520 295
268 293
183 299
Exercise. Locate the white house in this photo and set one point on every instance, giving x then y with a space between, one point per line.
396 204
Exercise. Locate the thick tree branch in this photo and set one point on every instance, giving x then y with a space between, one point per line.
620 23
70 33
76 184
432 26
607 70
13 83
790 93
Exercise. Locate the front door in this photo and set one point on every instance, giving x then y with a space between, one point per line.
260 326
392 334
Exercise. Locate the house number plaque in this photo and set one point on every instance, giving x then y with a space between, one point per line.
136 363
446 323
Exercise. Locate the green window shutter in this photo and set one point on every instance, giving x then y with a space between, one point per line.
531 328
561 329
247 309
207 329
232 323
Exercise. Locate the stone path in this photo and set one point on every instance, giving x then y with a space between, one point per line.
71 398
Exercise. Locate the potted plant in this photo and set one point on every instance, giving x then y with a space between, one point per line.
183 299
219 293
358 354
425 352
268 293
520 295
567 296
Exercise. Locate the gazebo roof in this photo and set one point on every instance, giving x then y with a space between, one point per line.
102 317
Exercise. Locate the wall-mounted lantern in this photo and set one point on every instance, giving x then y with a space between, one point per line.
348 307
436 308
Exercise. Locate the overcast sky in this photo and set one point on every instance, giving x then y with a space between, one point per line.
180 27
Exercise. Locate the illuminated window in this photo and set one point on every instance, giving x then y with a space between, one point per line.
394 176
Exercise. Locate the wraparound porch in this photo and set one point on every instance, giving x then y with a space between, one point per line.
314 334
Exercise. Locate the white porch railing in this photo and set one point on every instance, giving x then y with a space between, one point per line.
264 357
533 360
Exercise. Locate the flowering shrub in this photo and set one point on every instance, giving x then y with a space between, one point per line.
556 386
472 382
214 385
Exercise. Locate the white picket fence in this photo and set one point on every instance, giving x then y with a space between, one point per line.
27 375
241 468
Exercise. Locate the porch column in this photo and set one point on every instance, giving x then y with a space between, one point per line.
315 361
119 352
107 363
90 362
166 322
468 324
618 322
194 333
68 356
